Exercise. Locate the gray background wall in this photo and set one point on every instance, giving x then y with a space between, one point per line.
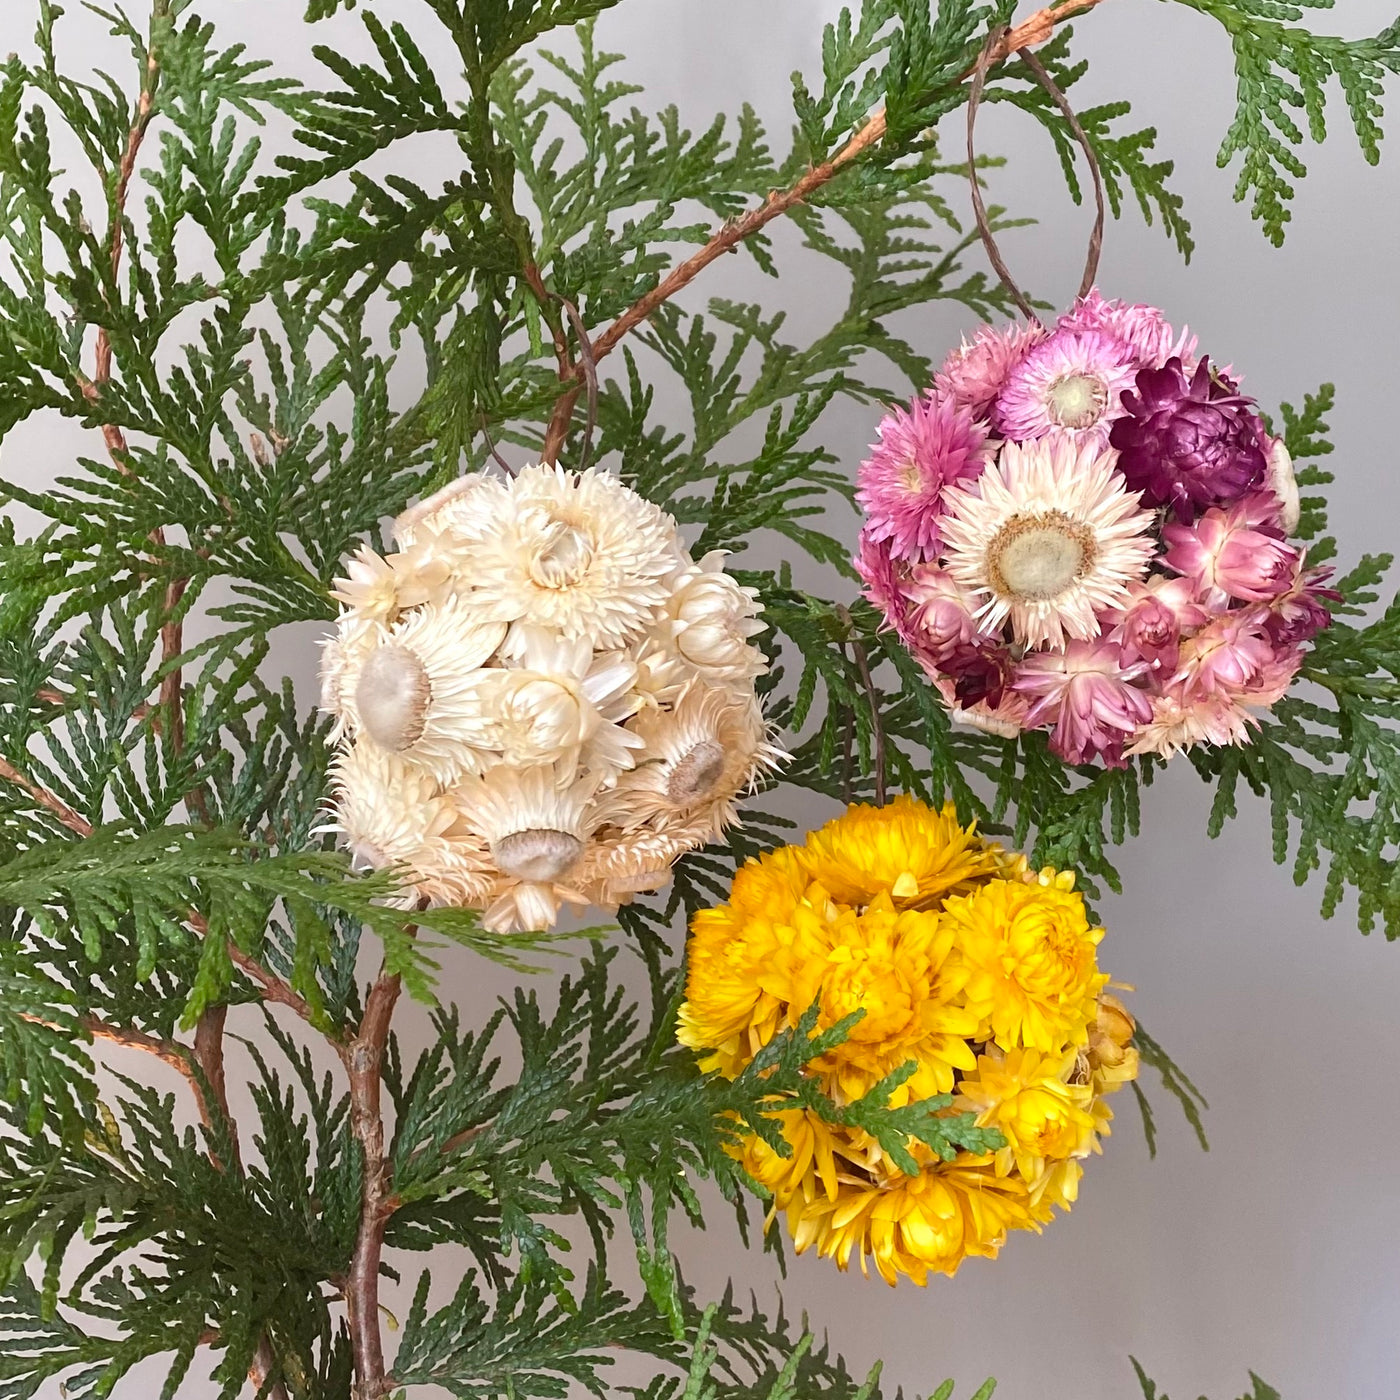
1277 1250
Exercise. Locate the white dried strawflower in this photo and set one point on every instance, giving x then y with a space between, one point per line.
699 757
577 552
558 699
393 815
377 588
710 620
541 699
619 865
456 513
662 673
533 823
1283 482
421 692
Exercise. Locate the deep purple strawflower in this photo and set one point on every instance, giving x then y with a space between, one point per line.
1189 445
980 674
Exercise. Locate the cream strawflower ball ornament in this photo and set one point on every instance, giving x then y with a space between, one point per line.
540 699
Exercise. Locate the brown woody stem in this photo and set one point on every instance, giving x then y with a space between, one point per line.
364 1061
1036 30
877 728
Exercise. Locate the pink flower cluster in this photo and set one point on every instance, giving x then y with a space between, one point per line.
1127 583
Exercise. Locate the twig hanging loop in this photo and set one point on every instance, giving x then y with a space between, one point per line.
985 60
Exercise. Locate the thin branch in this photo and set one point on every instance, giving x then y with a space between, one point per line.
1036 30
877 728
141 121
75 823
270 986
564 406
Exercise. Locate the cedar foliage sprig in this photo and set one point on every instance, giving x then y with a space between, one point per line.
161 858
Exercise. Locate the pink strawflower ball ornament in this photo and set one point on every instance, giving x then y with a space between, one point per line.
1084 528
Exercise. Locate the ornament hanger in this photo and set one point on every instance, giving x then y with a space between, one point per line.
979 209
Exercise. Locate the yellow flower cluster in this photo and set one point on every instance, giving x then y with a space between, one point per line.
980 972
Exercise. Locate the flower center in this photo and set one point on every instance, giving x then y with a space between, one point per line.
912 478
1077 400
697 775
563 556
539 856
391 697
1039 556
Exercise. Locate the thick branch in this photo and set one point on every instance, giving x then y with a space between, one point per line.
1036 30
209 1056
364 1059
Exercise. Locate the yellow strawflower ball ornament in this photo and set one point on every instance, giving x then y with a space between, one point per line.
540 698
964 964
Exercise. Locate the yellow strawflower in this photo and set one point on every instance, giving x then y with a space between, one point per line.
1029 1098
961 962
905 850
1034 973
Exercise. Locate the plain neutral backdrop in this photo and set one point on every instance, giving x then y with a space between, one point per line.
1277 1251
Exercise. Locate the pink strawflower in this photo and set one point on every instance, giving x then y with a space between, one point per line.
1301 613
1071 383
1225 558
941 612
932 444
1271 681
981 673
1143 329
882 576
1089 696
973 374
1227 656
1150 622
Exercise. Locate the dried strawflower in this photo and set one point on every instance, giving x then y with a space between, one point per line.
1051 537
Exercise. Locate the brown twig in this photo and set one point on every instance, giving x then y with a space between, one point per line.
209 1056
364 1059
877 728
75 823
145 110
564 406
1036 30
544 296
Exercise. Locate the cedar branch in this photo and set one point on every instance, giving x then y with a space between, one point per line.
1036 30
271 987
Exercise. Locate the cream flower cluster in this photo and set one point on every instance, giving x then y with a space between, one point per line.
540 698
